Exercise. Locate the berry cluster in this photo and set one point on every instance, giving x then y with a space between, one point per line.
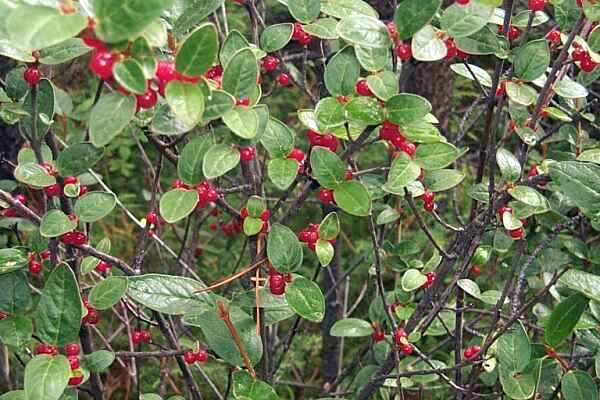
326 140
207 194
428 199
141 336
277 281
270 64
390 132
191 357
299 35
74 238
103 267
401 339
513 32
93 315
517 233
34 266
310 235
553 36
72 352
402 50
583 57
472 352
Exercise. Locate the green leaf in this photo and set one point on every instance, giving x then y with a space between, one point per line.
426 45
402 172
189 165
220 159
37 27
252 226
119 20
217 104
78 158
305 298
464 20
323 28
520 93
277 139
284 249
412 15
519 385
442 179
406 108
373 59
432 156
89 263
528 195
15 294
473 70
59 311
255 206
177 204
570 90
109 117
351 327
330 113
329 228
580 182
94 206
532 60
384 85
55 223
46 377
365 110
16 330
241 74
510 168
342 72
219 337
305 10
33 174
563 319
63 52
482 42
173 295
242 121
470 287
412 280
583 282
195 11
129 73
364 31
186 101
12 259
98 361
198 51
324 251
353 197
282 172
591 155
235 41
578 385
108 292
247 388
344 8
327 167
275 37
387 216
513 349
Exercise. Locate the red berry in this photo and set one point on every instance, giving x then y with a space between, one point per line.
102 63
2 315
283 79
429 206
189 357
45 349
244 101
513 33
553 36
303 235
329 141
400 337
103 266
536 5
32 76
276 283
75 380
403 51
504 209
407 349
451 51
304 39
265 215
35 267
313 137
349 174
244 213
430 279
471 352
247 153
73 362
152 218
517 234
325 196
92 317
362 88
392 30
72 349
463 2
215 72
74 238
427 196
136 337
179 184
297 154
83 190
587 65
579 54
408 147
50 169
298 30
201 355
378 335
146 336
579 3
44 255
270 63
94 43
70 180
533 171
475 270
147 100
